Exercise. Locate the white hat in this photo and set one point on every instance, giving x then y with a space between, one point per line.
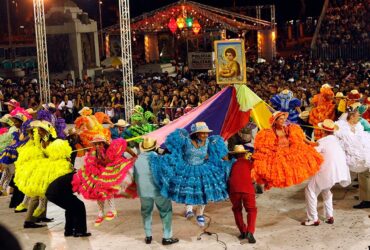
122 123
328 125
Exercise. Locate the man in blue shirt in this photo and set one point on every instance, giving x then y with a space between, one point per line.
149 194
120 130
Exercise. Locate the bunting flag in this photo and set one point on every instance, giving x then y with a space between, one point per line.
225 113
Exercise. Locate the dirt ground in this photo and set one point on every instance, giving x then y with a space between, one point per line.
278 226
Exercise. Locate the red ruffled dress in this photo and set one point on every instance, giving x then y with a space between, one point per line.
108 178
284 161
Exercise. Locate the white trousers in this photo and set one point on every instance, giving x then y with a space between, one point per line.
311 194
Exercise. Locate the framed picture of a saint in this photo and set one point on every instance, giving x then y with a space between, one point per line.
230 61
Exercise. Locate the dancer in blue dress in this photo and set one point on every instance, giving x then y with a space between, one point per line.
286 102
195 171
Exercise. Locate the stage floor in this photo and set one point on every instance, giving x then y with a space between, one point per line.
278 226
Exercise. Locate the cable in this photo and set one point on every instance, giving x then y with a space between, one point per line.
205 232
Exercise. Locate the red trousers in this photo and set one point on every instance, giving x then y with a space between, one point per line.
248 201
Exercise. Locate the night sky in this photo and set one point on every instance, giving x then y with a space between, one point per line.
285 9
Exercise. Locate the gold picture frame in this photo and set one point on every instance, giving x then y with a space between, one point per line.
230 61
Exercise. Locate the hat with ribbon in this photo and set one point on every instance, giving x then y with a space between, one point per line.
239 149
328 125
276 115
148 144
200 127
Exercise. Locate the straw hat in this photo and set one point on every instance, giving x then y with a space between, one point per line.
13 103
19 117
138 109
165 121
122 123
85 111
328 125
6 119
35 124
276 115
239 149
304 115
148 144
354 95
99 138
200 127
31 111
339 95
286 91
326 85
47 126
71 131
355 105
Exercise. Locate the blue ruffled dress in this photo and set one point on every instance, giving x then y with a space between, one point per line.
10 154
186 176
283 103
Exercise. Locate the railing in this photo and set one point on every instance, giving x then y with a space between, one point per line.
318 27
345 51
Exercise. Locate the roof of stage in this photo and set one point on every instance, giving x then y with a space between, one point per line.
209 18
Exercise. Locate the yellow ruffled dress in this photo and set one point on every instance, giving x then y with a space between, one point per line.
36 167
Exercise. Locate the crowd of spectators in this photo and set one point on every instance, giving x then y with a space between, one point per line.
172 96
345 22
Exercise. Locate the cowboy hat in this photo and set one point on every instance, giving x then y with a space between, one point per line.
354 95
200 127
31 111
276 115
99 138
19 117
326 85
286 92
239 149
122 123
304 115
85 111
6 119
13 103
138 109
355 105
328 125
148 144
339 95
165 121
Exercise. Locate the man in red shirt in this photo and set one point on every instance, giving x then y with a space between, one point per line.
241 192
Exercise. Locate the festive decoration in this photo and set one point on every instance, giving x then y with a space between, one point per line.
180 22
172 25
196 27
189 22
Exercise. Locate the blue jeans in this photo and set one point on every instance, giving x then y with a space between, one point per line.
164 207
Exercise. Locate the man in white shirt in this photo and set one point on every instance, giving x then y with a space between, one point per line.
333 170
66 107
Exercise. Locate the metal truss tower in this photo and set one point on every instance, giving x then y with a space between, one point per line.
126 53
42 53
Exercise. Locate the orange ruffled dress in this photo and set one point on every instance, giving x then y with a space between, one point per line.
284 161
89 127
324 108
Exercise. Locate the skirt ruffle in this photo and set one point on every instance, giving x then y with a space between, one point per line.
189 184
286 166
95 182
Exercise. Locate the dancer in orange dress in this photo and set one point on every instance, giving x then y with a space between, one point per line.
324 108
283 156
89 126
